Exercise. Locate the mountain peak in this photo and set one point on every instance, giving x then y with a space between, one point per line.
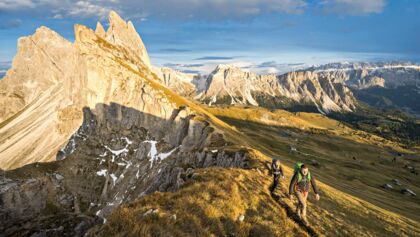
100 31
124 34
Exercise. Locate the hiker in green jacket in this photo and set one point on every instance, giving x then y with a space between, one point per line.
299 186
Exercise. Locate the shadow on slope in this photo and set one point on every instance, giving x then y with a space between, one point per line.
118 154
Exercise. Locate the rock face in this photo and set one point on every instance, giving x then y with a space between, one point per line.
367 75
184 84
386 85
230 85
51 80
124 34
36 97
118 155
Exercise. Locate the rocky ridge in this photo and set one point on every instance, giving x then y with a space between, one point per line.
136 136
230 85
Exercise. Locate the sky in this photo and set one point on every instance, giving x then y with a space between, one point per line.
264 36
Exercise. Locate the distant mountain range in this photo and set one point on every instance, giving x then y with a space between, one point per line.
335 87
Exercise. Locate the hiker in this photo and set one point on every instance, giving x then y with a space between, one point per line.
299 186
277 171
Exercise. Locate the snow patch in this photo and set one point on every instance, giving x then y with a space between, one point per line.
117 152
128 141
102 172
114 178
163 156
153 151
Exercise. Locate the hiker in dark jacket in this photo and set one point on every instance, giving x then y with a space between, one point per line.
299 186
277 171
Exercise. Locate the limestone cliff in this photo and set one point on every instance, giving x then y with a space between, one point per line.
230 85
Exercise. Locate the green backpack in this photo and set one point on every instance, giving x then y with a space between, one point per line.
297 170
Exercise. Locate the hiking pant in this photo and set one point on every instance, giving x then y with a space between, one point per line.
301 207
276 181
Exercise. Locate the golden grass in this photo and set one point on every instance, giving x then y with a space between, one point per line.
361 176
311 122
211 203
208 205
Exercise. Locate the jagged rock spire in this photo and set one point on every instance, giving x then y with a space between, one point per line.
100 31
124 34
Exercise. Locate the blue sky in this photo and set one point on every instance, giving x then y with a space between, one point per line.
266 36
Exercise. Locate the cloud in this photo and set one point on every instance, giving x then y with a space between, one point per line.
214 9
6 5
164 9
191 71
88 9
273 67
10 24
353 7
84 9
267 64
194 65
210 58
58 9
186 68
5 64
173 50
189 9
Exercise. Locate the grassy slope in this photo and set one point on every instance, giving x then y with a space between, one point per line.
208 205
211 203
362 177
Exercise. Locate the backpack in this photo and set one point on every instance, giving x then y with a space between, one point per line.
298 165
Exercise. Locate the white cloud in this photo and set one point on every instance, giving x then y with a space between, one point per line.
15 4
169 9
88 9
215 9
187 9
353 7
58 9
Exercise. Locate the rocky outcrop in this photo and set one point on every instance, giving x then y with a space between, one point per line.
51 80
230 85
118 155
